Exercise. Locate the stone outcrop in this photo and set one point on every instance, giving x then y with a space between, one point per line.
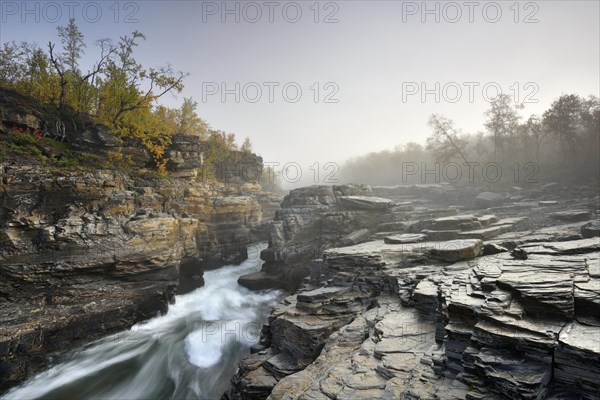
505 316
315 218
310 220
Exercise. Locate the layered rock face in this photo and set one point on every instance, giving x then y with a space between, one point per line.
311 220
502 315
83 254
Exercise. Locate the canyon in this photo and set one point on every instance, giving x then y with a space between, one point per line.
86 253
430 291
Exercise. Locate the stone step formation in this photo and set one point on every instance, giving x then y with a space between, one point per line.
505 307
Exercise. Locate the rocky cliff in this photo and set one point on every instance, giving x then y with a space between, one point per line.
311 220
498 303
87 251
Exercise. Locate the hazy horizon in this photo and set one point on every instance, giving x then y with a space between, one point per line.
373 60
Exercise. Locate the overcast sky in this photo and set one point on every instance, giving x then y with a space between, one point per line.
367 61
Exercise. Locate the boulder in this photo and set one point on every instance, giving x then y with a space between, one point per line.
190 275
591 229
457 250
260 280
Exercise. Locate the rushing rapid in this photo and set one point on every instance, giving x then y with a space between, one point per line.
189 353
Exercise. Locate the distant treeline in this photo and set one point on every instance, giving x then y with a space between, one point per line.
563 144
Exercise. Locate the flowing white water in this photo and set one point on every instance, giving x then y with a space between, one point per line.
190 353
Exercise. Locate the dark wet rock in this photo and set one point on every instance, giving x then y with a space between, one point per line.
255 384
519 254
514 376
591 229
260 280
492 248
576 359
282 365
191 273
303 335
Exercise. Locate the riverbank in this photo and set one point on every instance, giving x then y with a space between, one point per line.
90 249
190 352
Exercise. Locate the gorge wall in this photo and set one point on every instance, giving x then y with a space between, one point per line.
86 252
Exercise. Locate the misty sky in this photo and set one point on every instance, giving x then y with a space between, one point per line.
372 61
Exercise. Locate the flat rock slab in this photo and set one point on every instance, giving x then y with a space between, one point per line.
509 221
457 250
441 235
486 233
581 246
571 215
453 222
282 364
487 219
323 293
582 337
576 359
405 238
366 202
487 199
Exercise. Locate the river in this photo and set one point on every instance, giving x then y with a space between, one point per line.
191 352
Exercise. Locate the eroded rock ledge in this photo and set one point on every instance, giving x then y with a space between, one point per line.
505 315
87 253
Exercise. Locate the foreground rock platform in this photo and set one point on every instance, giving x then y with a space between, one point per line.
512 315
